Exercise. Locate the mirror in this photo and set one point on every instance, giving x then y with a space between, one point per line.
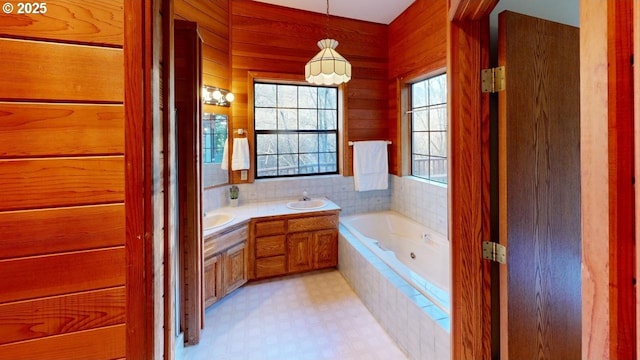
215 130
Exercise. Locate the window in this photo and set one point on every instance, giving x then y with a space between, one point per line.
214 134
429 129
296 130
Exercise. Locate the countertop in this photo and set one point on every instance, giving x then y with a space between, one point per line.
242 214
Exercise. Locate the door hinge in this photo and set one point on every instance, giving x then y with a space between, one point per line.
494 252
493 80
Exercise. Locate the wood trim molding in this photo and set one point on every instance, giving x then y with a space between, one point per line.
470 9
636 120
621 172
469 188
138 30
594 133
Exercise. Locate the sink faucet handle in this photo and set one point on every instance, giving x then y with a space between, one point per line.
305 196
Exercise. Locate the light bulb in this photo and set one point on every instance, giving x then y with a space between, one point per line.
230 97
217 95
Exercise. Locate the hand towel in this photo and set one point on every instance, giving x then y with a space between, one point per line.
370 165
240 156
224 165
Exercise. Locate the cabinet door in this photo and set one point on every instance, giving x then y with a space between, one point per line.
299 252
325 248
212 280
235 267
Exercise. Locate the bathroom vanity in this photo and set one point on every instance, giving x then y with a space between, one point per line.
282 245
225 263
267 240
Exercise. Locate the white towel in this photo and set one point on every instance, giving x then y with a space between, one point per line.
240 156
224 165
370 165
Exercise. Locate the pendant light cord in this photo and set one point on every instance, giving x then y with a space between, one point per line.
327 25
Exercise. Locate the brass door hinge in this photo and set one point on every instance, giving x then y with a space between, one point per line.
493 80
494 252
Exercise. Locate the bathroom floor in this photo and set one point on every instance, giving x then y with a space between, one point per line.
313 316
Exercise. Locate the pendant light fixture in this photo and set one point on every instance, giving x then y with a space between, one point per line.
328 67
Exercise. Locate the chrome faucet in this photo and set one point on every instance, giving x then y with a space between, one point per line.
305 196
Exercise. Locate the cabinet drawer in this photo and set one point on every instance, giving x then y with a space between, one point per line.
276 227
216 244
271 266
313 223
270 246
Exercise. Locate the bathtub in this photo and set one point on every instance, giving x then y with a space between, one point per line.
410 301
416 253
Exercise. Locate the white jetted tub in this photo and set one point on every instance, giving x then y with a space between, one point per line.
418 254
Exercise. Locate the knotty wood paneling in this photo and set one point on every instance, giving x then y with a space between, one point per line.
59 314
61 273
85 21
33 183
47 231
60 72
26 129
273 39
100 343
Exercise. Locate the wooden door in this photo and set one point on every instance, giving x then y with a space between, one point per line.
539 189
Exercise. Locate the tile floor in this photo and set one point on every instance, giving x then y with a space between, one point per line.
313 316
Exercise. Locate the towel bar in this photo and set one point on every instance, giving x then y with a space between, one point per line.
351 142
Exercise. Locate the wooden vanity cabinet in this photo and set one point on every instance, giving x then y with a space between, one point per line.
289 244
225 263
235 267
212 280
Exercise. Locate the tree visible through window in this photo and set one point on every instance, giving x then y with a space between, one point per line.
214 134
296 130
429 129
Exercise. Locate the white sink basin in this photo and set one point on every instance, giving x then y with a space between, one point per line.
307 205
216 219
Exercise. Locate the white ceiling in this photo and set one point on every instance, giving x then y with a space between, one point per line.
385 11
378 11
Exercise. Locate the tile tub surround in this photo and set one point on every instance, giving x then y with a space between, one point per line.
420 200
336 188
417 325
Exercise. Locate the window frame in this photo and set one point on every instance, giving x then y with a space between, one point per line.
337 132
411 131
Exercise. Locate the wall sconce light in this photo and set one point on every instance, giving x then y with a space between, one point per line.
216 96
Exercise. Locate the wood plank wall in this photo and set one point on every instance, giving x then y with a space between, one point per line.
213 25
267 38
417 48
62 254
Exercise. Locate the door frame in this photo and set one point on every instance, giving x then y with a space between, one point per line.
607 109
139 102
469 187
468 214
